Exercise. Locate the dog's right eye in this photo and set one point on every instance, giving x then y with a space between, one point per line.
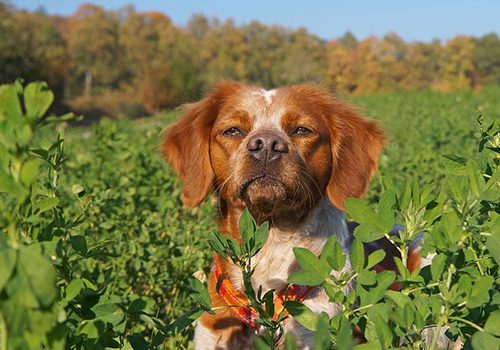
234 131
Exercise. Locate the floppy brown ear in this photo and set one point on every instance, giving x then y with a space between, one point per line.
186 145
356 145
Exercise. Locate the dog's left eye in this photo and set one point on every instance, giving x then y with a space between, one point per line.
302 131
234 131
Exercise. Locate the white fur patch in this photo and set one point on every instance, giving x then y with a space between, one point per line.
204 338
268 95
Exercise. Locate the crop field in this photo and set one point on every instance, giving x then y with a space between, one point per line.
115 246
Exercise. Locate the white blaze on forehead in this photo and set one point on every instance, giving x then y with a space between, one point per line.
264 113
268 95
269 119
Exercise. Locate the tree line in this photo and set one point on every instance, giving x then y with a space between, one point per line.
129 63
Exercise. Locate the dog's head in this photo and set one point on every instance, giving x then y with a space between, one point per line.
277 152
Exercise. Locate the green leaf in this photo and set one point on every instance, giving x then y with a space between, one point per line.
385 210
246 226
108 313
380 329
321 338
472 173
78 190
10 106
306 259
492 323
57 337
455 158
384 280
344 338
404 201
302 314
29 172
7 263
216 245
375 257
290 343
483 340
269 302
437 266
368 232
333 254
199 292
184 320
357 255
41 153
73 289
40 273
261 235
371 345
37 99
398 298
360 211
137 306
46 204
79 244
306 278
137 341
261 344
480 291
367 277
493 244
314 270
9 186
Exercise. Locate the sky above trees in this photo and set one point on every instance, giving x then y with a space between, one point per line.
413 20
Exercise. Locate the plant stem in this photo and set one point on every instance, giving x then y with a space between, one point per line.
472 324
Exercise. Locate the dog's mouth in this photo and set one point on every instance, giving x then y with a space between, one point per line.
263 192
246 184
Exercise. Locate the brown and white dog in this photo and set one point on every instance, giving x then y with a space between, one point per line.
291 156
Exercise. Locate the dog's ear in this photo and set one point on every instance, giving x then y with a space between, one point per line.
356 144
186 144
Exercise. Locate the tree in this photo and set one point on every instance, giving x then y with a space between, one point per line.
264 52
348 40
486 59
304 60
94 48
456 69
392 53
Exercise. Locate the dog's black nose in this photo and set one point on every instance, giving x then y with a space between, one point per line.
266 146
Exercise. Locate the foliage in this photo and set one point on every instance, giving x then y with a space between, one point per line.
61 284
97 251
140 62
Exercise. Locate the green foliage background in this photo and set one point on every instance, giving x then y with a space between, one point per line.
95 245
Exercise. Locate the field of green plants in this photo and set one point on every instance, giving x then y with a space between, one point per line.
96 250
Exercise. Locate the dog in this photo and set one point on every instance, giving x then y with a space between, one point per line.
291 156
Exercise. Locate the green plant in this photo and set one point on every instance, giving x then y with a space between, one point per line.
102 202
50 297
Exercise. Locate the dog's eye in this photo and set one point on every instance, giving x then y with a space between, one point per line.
301 131
234 131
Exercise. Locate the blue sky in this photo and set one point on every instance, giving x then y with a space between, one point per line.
414 20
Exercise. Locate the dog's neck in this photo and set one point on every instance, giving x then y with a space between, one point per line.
323 220
275 261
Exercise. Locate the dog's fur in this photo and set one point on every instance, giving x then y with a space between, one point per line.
291 156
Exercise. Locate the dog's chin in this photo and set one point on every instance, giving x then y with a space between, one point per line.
264 195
